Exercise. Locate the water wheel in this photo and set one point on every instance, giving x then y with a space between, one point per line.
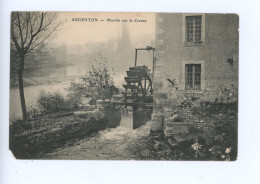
138 83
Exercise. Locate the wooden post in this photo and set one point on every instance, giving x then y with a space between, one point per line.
153 63
145 85
135 56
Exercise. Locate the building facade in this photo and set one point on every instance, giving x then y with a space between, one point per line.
195 55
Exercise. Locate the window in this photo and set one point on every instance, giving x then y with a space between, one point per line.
193 76
193 29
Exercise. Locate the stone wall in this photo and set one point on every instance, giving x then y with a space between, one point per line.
30 139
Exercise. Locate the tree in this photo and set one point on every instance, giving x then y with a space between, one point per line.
29 32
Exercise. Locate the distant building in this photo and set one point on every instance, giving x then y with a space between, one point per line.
196 53
124 40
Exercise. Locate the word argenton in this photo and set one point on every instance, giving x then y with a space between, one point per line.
85 19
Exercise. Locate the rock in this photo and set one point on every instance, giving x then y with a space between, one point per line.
158 145
208 89
171 118
175 128
172 141
228 150
167 110
196 146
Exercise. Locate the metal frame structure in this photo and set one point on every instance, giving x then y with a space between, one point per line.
148 48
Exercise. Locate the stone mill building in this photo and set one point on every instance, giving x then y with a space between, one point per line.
196 57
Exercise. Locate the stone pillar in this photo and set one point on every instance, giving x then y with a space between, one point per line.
158 112
159 94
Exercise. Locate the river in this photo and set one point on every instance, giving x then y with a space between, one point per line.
121 143
32 92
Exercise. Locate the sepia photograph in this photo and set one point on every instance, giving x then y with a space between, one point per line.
124 86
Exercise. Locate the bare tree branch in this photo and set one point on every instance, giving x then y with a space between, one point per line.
31 29
33 35
44 38
18 48
20 29
27 27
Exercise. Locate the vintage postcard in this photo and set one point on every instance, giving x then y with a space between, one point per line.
124 86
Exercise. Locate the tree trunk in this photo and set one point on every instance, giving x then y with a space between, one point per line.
21 90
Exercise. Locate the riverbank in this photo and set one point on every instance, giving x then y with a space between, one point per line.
30 139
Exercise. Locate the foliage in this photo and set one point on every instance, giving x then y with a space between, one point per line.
34 112
222 93
217 108
97 84
76 92
217 143
215 99
49 102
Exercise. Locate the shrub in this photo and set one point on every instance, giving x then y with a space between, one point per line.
52 102
34 112
215 99
96 84
76 93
